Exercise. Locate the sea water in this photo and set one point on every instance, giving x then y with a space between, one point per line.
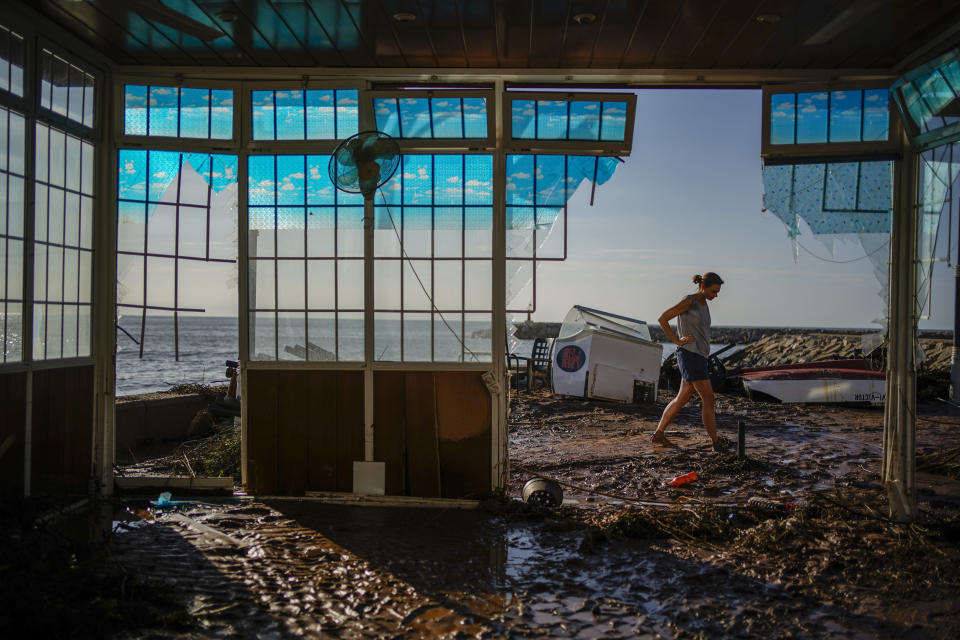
207 342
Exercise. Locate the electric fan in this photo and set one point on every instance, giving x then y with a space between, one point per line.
363 162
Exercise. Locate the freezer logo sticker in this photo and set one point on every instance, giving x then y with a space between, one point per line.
571 358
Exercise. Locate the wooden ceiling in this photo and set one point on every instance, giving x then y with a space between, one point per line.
515 34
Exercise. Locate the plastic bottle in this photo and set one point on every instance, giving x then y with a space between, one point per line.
684 479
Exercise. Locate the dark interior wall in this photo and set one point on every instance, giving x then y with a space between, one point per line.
13 390
61 430
433 431
305 430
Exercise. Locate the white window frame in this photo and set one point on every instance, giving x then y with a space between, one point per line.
569 147
825 151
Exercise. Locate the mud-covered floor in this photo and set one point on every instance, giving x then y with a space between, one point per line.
599 566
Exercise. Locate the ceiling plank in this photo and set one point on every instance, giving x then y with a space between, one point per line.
92 33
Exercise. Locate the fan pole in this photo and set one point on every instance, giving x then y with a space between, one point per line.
368 320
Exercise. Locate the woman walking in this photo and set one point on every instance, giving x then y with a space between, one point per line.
693 349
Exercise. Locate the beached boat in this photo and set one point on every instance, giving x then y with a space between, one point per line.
833 381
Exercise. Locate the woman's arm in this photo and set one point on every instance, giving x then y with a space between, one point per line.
669 315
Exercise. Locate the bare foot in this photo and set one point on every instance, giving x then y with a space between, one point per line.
661 439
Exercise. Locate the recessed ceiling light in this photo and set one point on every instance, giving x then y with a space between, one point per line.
584 18
768 18
404 16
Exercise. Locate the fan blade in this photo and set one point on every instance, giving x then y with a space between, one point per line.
348 178
384 147
345 156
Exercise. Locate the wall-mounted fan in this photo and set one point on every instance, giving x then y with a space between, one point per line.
363 162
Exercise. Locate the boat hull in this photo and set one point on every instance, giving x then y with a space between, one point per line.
870 390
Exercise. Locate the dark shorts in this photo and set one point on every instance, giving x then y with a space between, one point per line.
693 366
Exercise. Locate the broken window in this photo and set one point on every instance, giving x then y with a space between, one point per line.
176 228
538 188
828 163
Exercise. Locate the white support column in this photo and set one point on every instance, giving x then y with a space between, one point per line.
245 286
367 122
500 467
899 424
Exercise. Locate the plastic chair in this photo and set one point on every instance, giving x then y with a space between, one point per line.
539 366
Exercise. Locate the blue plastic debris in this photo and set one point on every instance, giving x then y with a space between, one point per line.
164 501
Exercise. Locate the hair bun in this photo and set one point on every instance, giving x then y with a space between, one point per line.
697 279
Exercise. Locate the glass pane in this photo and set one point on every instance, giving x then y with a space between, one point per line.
350 336
135 110
292 336
194 113
783 122
221 114
417 285
264 116
84 334
417 337
291 124
321 336
614 123
263 345
551 120
386 336
162 117
414 118
347 112
12 52
321 115
291 284
387 115
321 281
447 117
448 338
846 116
475 117
812 117
584 120
478 294
350 284
876 115
386 285
523 122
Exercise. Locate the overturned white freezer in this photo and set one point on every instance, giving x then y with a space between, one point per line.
605 356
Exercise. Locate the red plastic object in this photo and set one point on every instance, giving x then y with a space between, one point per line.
684 479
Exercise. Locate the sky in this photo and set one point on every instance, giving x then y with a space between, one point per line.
689 200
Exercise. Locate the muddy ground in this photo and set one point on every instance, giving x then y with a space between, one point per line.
695 562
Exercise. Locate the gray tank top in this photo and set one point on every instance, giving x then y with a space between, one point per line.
695 322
